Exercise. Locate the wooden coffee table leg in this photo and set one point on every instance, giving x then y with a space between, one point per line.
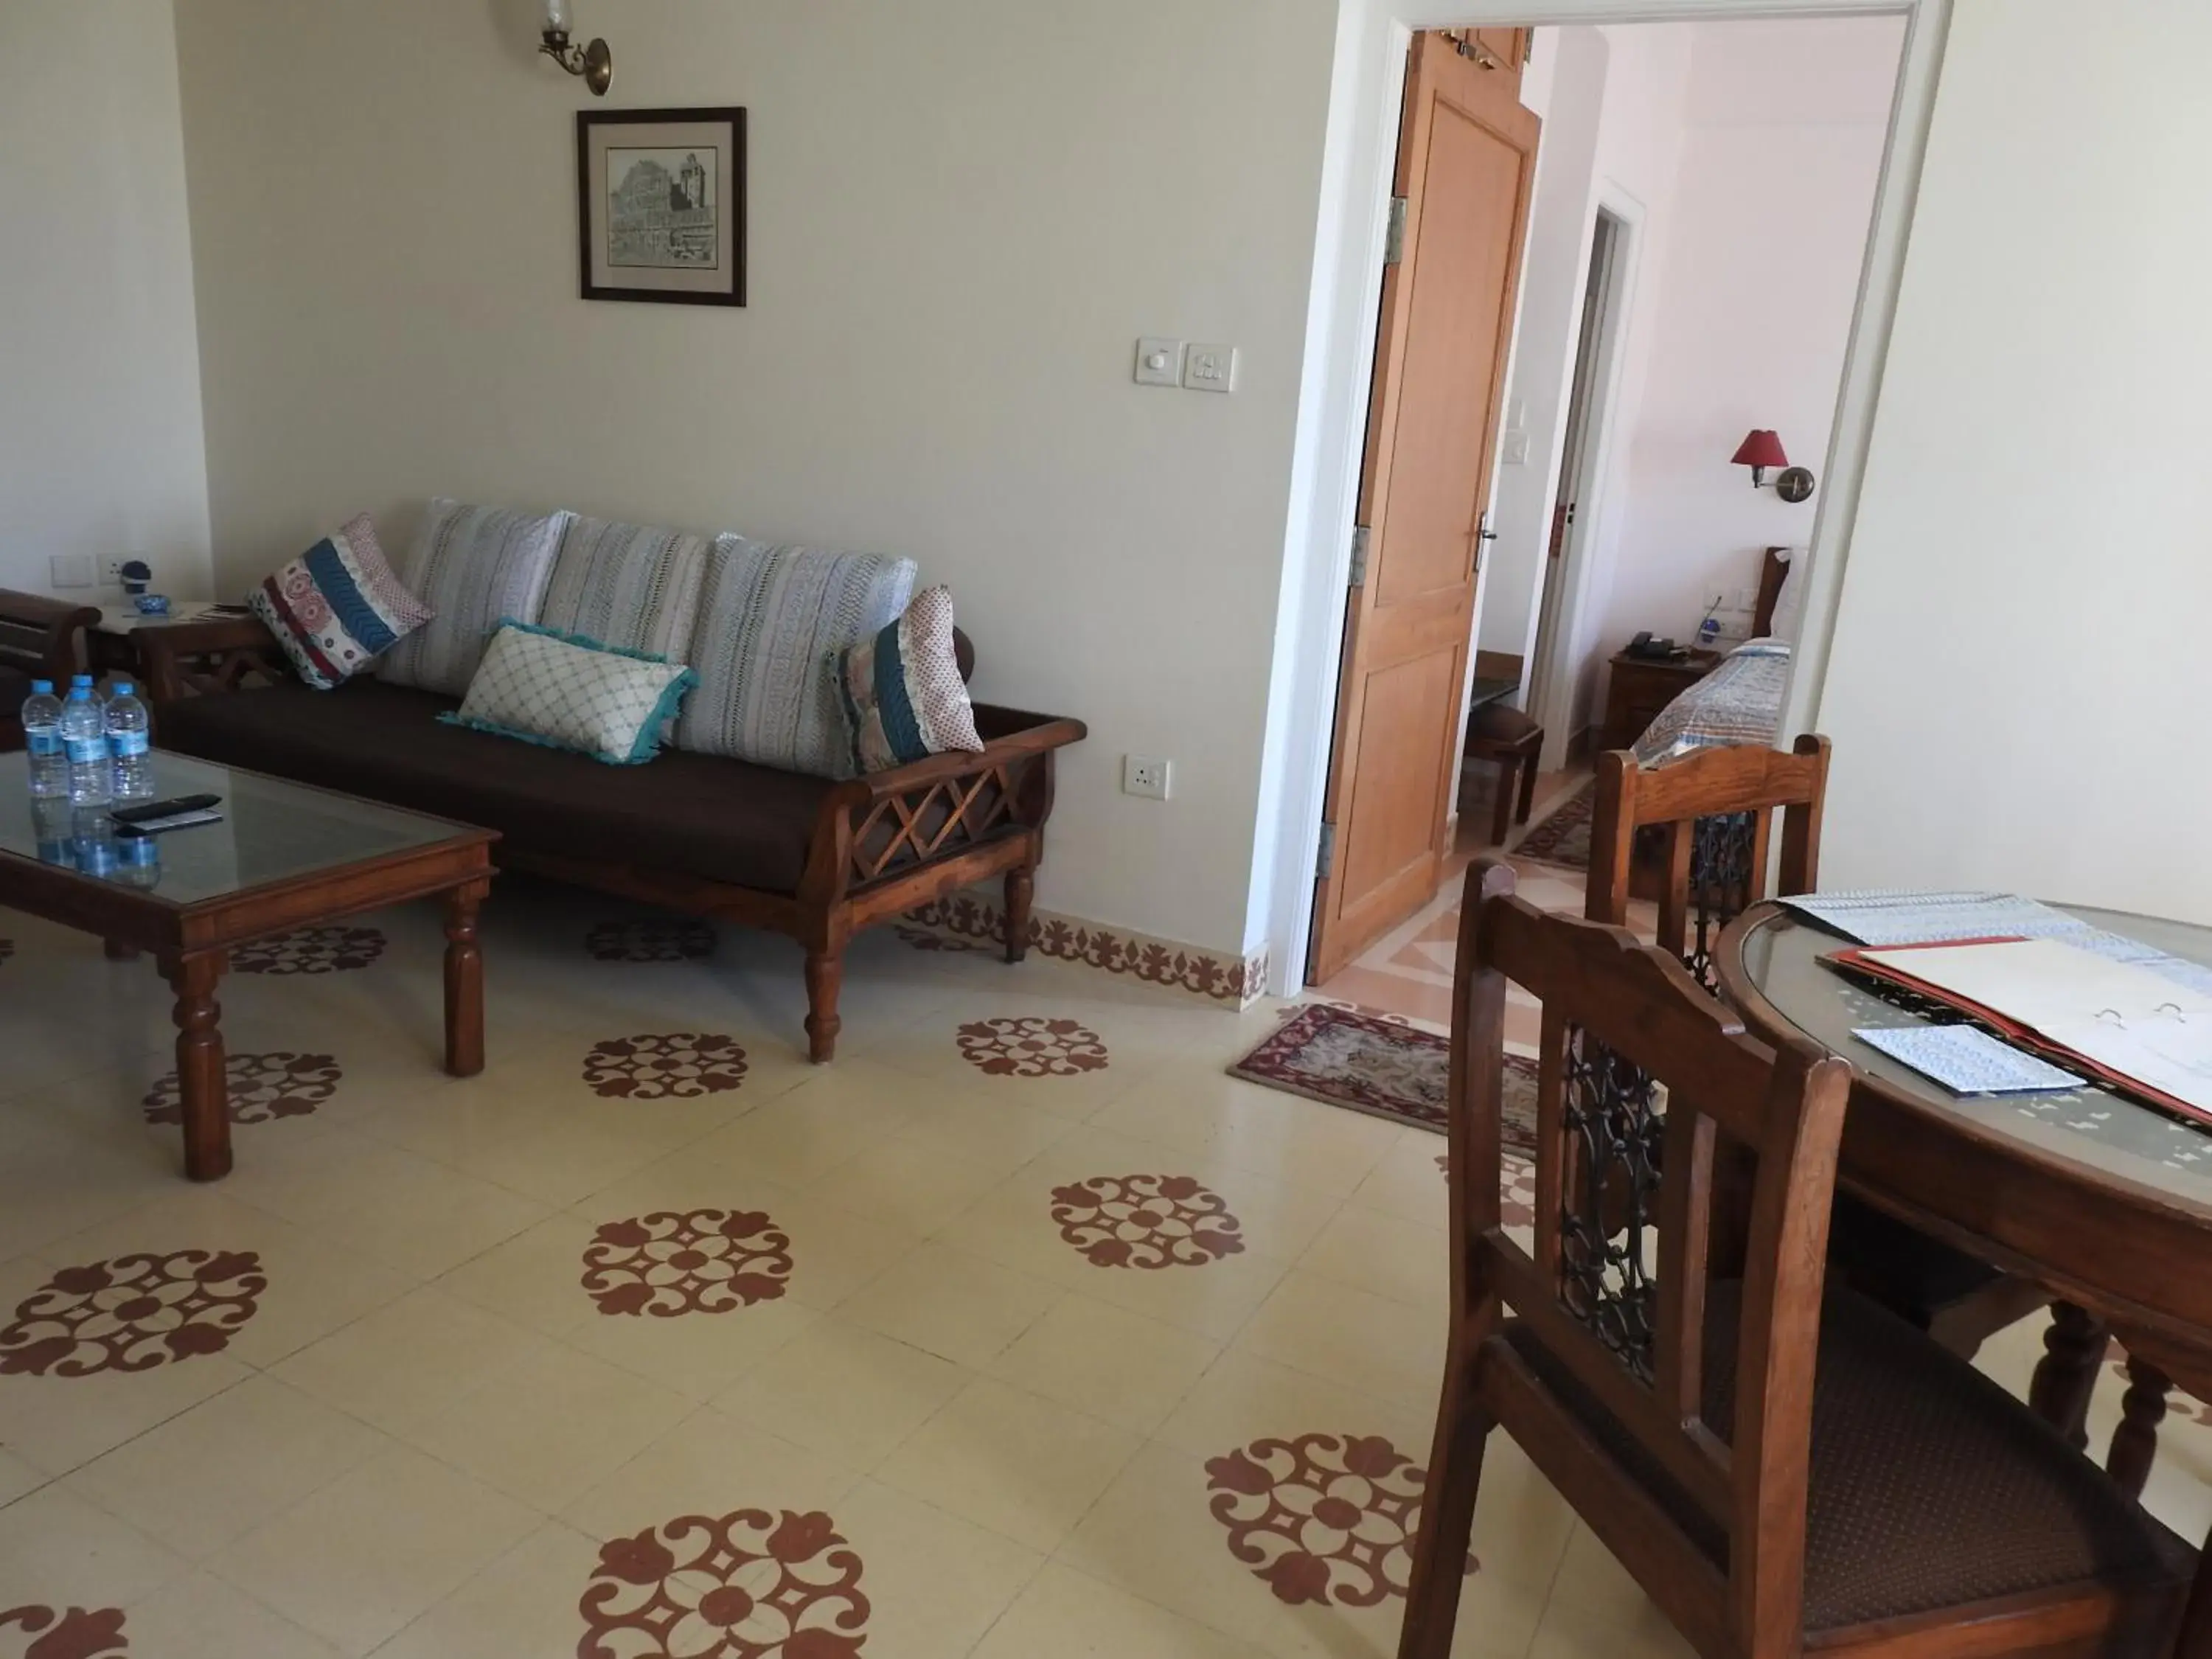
465 1016
205 1088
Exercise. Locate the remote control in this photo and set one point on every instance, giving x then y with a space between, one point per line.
186 820
148 811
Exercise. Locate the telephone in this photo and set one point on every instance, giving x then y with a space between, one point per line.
1656 650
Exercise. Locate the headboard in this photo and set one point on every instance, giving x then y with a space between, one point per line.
1771 575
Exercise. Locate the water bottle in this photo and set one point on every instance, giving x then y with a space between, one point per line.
128 725
42 734
54 822
84 740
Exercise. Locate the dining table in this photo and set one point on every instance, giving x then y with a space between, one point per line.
2102 1200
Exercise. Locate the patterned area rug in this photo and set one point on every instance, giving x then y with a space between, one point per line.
1564 838
1367 1063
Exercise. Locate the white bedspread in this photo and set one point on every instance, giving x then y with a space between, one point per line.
1739 703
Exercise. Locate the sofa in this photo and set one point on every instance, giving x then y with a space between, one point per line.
814 858
41 639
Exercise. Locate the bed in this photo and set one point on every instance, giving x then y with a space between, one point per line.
1738 704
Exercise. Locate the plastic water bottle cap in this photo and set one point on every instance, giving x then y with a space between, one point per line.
42 688
81 679
123 688
81 692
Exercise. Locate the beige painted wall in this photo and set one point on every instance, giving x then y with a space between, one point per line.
962 217
2021 676
100 379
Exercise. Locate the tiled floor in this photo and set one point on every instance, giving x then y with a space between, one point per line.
1002 1337
1408 971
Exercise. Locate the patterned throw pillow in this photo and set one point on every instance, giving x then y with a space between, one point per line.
546 688
903 688
635 589
773 622
476 566
337 607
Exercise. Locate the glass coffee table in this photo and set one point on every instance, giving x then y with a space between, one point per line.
284 856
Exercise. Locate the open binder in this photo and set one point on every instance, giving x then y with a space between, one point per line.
2135 1030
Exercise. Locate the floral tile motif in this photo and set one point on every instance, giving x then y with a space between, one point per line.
311 950
1067 938
133 1313
1323 1518
672 1263
1516 1193
261 1088
1145 1221
79 1633
750 1585
651 938
1032 1047
664 1066
952 944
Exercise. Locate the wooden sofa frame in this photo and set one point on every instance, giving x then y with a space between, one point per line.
883 844
39 637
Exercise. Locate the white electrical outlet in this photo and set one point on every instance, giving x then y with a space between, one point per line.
1142 774
110 572
69 570
1210 368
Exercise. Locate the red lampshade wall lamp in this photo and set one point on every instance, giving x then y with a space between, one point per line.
1762 450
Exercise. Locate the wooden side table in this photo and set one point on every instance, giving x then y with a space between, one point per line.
1641 687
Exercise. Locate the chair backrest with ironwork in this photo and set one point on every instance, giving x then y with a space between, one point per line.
1712 816
1621 1296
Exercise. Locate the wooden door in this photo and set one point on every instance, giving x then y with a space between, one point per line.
1467 162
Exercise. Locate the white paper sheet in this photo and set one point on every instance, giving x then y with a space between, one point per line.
1896 916
1967 1061
2122 1015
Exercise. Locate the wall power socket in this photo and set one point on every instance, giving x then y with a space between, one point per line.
1146 776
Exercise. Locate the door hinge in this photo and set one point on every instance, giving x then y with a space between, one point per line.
1361 536
1325 863
1394 239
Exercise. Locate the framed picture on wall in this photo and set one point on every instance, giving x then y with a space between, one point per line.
660 204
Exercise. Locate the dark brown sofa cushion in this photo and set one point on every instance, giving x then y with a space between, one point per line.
723 819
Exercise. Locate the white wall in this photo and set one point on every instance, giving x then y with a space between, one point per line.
1553 271
2019 672
99 387
1785 126
962 215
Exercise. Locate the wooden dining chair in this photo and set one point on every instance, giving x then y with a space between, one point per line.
1707 820
1784 1467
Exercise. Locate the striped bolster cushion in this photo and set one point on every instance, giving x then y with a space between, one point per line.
337 607
903 693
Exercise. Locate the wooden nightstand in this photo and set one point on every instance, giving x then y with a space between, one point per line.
1640 687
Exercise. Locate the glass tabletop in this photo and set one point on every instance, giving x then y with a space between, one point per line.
271 831
2092 1124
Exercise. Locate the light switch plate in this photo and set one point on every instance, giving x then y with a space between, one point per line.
69 570
1516 449
1210 368
1159 362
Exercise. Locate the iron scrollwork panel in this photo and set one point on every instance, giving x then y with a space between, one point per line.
1613 1116
1722 848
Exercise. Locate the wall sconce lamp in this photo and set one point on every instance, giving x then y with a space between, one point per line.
1763 449
594 62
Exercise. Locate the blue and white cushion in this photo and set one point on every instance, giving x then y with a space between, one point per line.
337 607
631 587
475 566
567 693
904 692
773 623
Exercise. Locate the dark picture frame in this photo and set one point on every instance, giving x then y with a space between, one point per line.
660 205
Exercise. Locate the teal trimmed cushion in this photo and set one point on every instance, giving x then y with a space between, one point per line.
772 623
903 693
475 567
337 607
548 687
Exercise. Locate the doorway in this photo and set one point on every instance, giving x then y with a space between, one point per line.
1546 693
